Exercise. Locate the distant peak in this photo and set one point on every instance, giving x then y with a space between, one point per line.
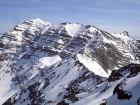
65 23
125 33
37 19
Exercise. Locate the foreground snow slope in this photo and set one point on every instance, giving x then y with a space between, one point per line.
69 63
106 89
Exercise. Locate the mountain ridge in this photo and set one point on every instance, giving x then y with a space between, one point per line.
39 60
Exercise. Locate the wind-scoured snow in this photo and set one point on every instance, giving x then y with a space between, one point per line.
92 66
6 87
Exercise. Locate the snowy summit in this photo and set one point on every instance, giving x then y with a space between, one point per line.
68 64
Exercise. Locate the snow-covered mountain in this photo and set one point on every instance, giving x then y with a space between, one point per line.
46 64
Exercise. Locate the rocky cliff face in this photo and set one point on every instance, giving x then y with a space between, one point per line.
45 64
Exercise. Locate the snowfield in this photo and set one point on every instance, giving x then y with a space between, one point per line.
48 61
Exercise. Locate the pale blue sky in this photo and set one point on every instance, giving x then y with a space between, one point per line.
109 15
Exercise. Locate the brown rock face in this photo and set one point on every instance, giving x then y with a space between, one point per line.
115 75
134 71
122 94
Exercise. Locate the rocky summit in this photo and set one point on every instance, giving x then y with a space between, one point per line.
68 64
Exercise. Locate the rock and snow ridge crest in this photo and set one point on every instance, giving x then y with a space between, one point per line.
46 64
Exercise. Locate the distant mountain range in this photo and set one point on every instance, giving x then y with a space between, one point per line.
1 34
68 64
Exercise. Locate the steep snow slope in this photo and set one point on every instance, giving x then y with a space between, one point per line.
126 94
58 64
54 84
